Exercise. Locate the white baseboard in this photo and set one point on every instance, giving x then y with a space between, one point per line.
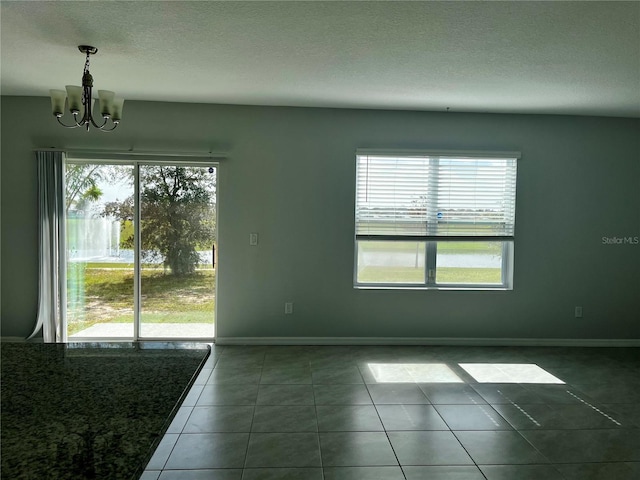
450 341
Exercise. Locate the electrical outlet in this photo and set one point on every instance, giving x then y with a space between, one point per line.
578 312
253 239
288 308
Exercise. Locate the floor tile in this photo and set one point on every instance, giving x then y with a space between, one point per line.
150 475
585 446
210 474
192 397
563 430
285 395
240 361
340 375
228 395
161 455
283 450
506 393
521 472
282 474
499 448
237 362
625 413
451 394
578 374
348 418
341 395
626 392
285 375
289 362
363 473
286 418
597 471
211 361
428 448
443 473
332 362
559 394
235 375
397 394
410 417
472 417
353 449
410 372
219 418
179 421
381 372
203 376
558 417
208 450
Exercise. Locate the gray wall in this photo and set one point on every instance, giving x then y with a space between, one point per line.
290 177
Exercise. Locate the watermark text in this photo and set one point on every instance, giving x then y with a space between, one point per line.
620 240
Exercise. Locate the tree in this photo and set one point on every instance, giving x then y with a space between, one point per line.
81 185
177 215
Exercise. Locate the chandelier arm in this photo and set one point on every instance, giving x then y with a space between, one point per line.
115 124
99 126
81 123
67 126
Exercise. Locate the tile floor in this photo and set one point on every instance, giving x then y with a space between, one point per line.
392 413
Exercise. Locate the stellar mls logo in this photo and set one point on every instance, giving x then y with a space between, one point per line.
620 240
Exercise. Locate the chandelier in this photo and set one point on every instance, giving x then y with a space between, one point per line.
110 107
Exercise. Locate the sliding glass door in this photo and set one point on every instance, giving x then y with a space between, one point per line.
177 232
100 268
140 250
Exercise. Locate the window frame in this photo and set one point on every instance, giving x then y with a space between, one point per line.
431 241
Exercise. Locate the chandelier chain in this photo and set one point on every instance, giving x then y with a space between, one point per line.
86 64
85 101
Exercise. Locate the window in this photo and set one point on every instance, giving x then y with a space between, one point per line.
434 220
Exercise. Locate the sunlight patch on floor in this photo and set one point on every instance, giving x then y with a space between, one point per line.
509 373
413 373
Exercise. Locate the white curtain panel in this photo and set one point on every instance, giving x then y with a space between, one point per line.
51 297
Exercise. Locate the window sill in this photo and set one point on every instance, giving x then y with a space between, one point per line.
482 288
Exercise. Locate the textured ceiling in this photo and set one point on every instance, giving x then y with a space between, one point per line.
525 57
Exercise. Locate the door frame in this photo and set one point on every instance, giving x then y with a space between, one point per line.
144 160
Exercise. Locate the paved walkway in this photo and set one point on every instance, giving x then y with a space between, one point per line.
153 330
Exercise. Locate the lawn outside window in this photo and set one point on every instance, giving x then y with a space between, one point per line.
435 220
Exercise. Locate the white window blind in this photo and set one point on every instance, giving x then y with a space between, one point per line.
435 195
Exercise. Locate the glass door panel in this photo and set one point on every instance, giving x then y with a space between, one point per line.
99 248
177 234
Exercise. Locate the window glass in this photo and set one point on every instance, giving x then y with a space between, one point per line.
435 220
391 262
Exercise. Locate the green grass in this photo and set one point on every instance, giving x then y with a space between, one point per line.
105 295
443 275
494 248
166 317
469 275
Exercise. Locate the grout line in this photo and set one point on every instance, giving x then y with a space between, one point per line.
384 429
253 415
467 451
315 409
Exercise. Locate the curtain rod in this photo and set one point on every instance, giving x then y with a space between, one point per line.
133 153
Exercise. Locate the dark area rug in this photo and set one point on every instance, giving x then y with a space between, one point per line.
90 410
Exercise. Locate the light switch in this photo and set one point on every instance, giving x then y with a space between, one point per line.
253 239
